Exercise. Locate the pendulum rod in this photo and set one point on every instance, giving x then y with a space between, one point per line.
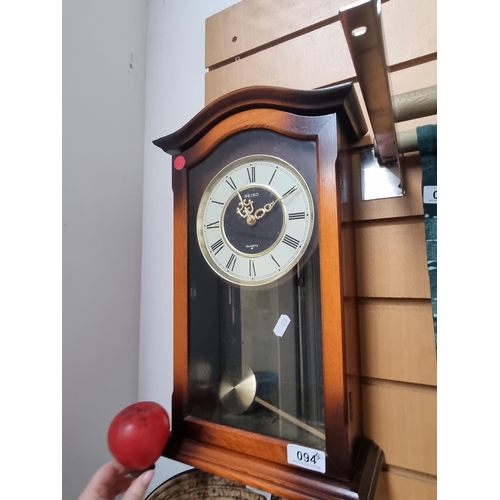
294 420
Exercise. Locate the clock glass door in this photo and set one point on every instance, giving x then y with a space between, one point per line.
255 349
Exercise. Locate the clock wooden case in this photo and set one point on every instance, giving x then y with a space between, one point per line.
267 388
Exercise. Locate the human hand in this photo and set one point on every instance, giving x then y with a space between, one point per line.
112 479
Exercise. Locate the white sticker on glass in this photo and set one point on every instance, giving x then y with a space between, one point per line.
281 325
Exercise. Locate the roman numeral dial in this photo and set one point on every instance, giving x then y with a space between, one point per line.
255 220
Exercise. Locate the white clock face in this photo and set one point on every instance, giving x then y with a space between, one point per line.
255 220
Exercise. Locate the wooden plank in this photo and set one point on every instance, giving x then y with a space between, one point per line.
405 23
293 64
391 259
288 65
397 487
397 340
413 77
253 24
402 421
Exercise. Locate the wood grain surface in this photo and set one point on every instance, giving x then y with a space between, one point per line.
299 44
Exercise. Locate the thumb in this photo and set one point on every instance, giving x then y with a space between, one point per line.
139 486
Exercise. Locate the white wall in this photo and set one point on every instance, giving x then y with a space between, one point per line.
103 151
110 166
174 94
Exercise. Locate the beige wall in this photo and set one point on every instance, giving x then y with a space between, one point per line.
301 45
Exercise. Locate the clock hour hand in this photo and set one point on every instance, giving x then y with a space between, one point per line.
245 207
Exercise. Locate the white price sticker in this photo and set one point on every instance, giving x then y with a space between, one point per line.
281 325
431 194
307 458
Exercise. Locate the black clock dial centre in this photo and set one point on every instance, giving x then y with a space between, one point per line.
260 234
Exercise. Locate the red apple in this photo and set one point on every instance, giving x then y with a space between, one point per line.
138 435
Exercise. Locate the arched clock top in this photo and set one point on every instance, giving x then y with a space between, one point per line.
340 99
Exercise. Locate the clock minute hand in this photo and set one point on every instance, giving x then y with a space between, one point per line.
288 193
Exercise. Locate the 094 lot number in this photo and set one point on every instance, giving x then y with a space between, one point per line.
307 458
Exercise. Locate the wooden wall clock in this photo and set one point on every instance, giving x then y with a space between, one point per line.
266 364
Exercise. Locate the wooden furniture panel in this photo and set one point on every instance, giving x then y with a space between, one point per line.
395 487
397 340
287 65
256 25
252 25
391 259
277 65
401 419
410 29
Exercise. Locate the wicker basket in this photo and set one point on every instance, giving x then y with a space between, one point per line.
197 485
